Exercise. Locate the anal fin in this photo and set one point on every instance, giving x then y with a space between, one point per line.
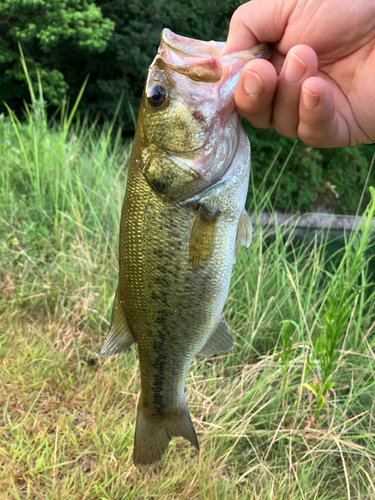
119 337
220 340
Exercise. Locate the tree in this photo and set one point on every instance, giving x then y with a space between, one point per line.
48 32
69 39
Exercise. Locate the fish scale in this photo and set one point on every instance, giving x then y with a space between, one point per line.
170 304
182 219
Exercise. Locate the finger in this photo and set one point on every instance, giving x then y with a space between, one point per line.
277 60
255 22
240 36
301 63
321 125
255 91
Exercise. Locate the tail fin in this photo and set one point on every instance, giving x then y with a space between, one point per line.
153 433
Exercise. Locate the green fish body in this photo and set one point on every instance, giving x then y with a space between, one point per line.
182 219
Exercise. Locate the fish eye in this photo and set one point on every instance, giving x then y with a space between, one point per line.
156 96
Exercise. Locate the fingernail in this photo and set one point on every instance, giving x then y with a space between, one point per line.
253 85
295 68
309 99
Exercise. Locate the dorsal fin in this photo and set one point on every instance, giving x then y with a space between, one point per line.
119 337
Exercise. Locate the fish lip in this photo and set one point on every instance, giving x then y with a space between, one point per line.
196 59
206 61
190 46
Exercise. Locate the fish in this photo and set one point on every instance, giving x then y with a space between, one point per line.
182 220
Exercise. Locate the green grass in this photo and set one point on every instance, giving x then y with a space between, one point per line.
288 414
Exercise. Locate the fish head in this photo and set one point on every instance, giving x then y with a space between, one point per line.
190 129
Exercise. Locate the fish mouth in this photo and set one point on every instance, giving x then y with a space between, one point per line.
185 45
202 61
196 59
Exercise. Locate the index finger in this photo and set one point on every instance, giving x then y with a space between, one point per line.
256 22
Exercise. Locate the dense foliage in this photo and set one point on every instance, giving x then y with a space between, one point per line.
114 42
67 40
311 179
54 36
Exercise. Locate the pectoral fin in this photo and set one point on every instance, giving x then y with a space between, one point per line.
220 340
119 337
202 236
244 232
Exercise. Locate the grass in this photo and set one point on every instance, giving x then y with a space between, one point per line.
288 414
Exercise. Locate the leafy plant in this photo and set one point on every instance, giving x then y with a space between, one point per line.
49 32
313 179
345 288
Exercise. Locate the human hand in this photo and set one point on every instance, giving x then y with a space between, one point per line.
321 83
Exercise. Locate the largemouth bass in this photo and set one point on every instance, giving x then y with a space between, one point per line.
182 219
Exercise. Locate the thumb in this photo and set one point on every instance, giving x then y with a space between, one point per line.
256 22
